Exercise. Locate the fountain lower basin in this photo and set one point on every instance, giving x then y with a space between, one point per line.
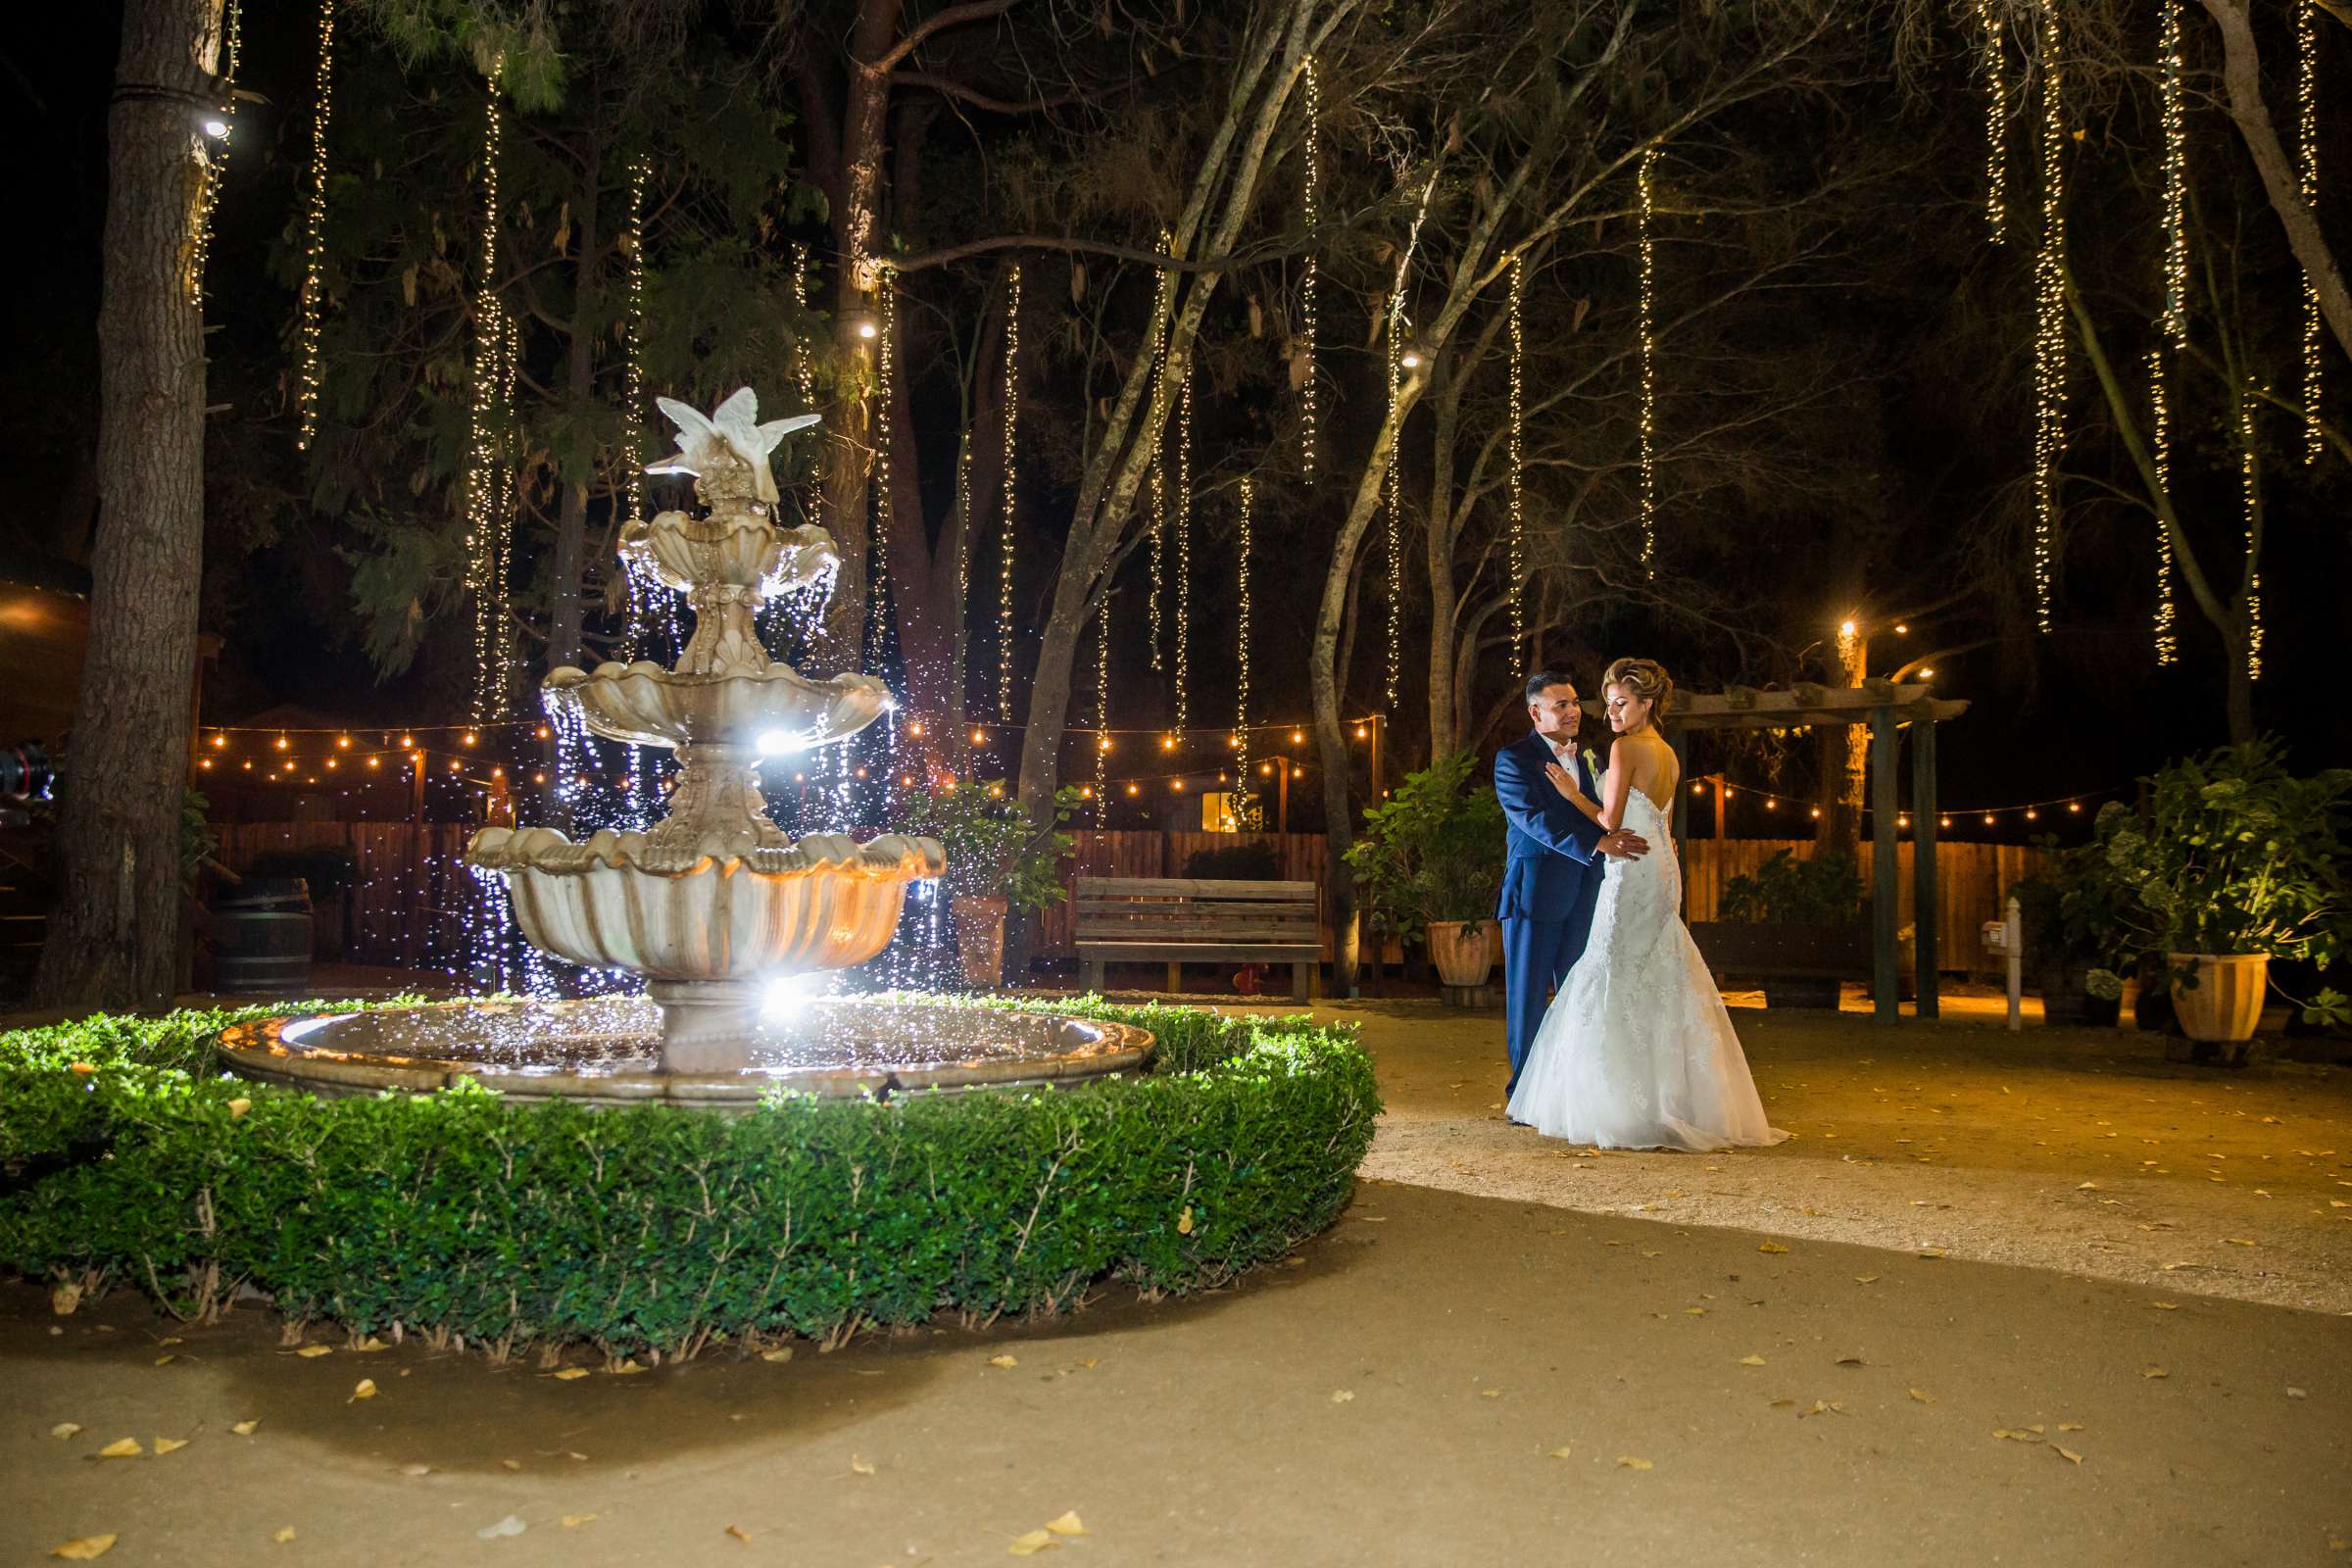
607 1050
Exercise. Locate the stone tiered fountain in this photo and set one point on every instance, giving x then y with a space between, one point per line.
726 916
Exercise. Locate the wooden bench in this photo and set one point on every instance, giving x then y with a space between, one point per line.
1174 920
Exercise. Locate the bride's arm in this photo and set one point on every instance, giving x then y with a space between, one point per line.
1609 812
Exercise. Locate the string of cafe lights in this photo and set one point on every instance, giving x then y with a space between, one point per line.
2171 99
1012 423
314 237
1518 454
2049 317
483 445
1996 124
886 366
1102 700
1650 378
1184 545
212 156
2307 173
1946 817
1241 655
1304 362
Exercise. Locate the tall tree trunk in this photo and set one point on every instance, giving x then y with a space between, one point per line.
111 940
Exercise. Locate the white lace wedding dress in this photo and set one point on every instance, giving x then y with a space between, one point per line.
1637 1051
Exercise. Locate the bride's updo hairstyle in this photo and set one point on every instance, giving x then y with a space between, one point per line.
1644 679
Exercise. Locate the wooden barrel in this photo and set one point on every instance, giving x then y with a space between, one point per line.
261 937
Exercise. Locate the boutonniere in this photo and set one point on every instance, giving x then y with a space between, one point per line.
1591 763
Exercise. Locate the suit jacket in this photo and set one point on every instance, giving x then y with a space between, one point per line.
1549 871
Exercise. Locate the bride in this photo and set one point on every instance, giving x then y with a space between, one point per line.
1637 1051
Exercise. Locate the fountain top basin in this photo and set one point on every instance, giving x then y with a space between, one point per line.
607 1051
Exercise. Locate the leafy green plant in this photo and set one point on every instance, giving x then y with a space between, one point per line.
459 1215
2074 910
196 842
1825 890
994 848
2233 853
1433 850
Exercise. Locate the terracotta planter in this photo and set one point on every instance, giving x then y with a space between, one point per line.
2226 1002
1461 951
980 939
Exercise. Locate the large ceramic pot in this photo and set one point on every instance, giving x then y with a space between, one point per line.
1460 951
2226 1002
980 939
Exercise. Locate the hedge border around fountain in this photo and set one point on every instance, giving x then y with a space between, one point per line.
124 1157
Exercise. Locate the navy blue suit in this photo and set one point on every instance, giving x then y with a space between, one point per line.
1551 881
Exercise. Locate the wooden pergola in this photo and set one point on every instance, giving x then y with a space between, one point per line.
1887 709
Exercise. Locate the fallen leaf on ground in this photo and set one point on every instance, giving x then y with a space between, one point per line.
2155 1372
282 1536
861 1467
1923 1396
1695 1312
627 1368
364 1389
781 1354
2088 1186
1626 1461
313 1351
1930 1252
122 1448
244 1429
1003 1361
1751 1360
415 1469
1771 1247
739 1532
1030 1545
2067 1453
1851 1360
1342 1395
2069 1426
2166 1307
1822 1408
371 1342
2295 1394
65 1429
81 1548
171 1338
510 1464
570 1373
509 1525
1779 1405
65 1299
1866 1279
167 1445
1561 1452
1066 1525
573 1521
1489 1394
165 1359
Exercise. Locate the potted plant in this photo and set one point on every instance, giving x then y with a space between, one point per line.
999 859
1430 863
2073 916
1795 924
2232 861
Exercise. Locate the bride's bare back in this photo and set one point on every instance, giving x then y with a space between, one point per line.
1653 767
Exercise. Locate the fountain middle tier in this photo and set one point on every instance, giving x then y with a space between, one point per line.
773 709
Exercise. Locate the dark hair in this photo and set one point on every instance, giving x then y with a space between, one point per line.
1544 679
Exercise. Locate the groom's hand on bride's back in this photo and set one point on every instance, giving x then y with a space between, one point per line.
1625 844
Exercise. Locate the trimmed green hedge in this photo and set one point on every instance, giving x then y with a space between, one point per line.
123 1154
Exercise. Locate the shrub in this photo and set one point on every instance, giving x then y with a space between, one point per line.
1433 851
1825 890
651 1228
993 848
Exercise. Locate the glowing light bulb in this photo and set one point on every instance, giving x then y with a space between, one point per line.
1901 630
406 741
1902 822
915 729
343 743
455 766
215 128
281 743
331 762
1988 819
1104 744
1086 792
1167 743
1410 359
1297 738
1817 814
2032 815
1179 786
204 761
1927 674
1944 821
376 762
495 773
868 330
220 740
542 732
1771 804
979 736
861 772
538 778
1845 628
247 764
467 737
1133 789
1265 769
1362 730
1698 788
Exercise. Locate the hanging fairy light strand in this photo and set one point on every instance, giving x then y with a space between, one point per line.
2050 318
804 371
633 341
314 237
1303 362
886 370
2173 118
1518 455
1241 663
2307 161
483 490
1393 501
1996 124
1649 374
2250 472
1102 702
1184 546
1163 296
1013 426
212 155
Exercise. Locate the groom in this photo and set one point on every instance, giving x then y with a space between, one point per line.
1550 878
